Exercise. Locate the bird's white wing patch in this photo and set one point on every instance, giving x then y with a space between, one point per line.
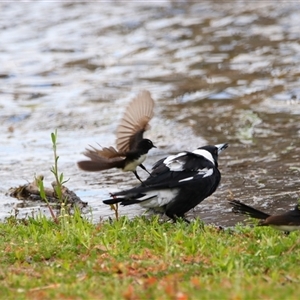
175 166
158 198
205 154
208 172
203 172
173 163
186 179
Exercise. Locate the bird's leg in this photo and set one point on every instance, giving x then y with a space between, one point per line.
137 176
144 168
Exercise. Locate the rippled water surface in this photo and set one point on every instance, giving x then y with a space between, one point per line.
218 71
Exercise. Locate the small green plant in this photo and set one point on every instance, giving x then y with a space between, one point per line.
57 185
59 178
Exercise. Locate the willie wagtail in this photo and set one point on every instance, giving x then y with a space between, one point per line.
177 183
287 222
132 148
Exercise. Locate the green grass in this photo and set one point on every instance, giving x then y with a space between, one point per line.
69 257
145 259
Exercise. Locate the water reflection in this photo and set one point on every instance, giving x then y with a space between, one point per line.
218 72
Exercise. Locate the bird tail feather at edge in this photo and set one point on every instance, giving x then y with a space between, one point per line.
94 166
241 208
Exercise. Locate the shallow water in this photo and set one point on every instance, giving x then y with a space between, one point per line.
219 72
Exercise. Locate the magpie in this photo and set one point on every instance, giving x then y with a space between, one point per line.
287 222
132 148
177 183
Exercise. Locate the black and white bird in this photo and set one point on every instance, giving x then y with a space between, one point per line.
132 148
177 183
287 222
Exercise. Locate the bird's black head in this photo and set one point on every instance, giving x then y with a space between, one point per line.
145 145
215 150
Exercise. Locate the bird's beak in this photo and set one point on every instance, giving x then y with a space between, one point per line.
221 147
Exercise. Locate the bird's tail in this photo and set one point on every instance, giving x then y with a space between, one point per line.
128 199
122 201
241 208
113 201
94 166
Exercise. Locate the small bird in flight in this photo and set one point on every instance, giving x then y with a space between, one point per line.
177 183
132 148
287 222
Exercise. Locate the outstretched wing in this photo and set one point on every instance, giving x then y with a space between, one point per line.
135 121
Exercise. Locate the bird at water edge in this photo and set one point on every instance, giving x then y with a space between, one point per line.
177 183
287 221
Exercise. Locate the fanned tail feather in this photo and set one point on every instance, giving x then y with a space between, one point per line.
94 166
